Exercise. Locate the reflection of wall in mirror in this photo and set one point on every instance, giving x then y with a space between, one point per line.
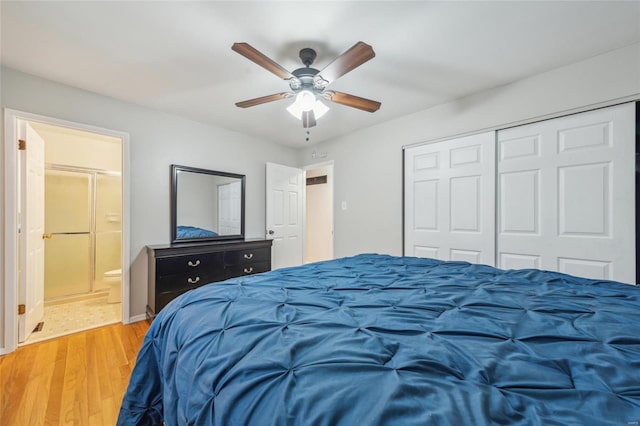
229 208
197 201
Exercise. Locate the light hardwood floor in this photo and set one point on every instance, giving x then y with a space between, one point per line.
78 379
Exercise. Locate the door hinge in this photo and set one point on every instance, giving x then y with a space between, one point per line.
22 308
22 144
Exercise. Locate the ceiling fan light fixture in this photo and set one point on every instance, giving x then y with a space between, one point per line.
306 100
319 109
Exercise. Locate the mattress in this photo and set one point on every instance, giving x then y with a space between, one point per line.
382 340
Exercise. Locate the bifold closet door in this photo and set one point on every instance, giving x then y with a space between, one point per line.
449 205
566 195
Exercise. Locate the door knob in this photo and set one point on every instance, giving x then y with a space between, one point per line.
271 232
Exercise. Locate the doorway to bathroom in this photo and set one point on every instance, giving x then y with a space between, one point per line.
82 238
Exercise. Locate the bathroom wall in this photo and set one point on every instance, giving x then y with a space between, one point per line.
72 147
108 226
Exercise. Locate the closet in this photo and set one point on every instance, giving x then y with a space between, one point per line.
557 194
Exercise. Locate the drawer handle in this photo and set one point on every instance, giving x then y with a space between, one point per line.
190 263
248 270
191 281
248 255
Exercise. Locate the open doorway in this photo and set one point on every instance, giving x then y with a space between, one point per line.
76 275
82 231
319 213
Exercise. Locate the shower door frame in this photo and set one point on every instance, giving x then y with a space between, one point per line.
11 182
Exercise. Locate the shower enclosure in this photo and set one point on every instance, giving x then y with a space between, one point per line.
83 229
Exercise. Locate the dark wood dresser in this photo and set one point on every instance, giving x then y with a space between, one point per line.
178 268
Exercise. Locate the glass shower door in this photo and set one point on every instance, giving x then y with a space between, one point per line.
68 225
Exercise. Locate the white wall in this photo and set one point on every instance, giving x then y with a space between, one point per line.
156 141
368 163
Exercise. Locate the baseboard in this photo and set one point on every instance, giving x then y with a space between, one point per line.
137 318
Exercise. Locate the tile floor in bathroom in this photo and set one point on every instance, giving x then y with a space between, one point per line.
70 317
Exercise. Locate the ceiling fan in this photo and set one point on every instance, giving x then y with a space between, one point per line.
307 84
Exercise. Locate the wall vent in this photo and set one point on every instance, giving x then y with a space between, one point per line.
316 180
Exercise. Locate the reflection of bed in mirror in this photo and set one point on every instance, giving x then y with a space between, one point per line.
193 232
206 205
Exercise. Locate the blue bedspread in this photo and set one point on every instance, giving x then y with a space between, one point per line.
183 231
381 340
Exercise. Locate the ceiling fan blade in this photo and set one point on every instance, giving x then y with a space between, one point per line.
357 55
353 101
263 100
254 55
308 119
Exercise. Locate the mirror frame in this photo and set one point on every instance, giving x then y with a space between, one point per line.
175 170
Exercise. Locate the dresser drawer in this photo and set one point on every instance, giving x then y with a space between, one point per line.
247 256
254 268
190 264
162 299
194 279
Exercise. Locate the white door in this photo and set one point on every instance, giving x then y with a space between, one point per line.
566 195
284 203
229 202
31 291
449 199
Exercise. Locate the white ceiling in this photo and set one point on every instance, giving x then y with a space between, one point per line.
177 57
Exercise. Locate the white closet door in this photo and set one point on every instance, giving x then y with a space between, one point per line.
566 195
450 199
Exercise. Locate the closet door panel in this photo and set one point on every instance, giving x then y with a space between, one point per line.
584 189
450 199
518 261
464 211
522 215
566 198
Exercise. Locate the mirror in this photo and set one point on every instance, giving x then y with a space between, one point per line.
206 205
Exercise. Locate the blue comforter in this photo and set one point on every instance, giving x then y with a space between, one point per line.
381 340
183 231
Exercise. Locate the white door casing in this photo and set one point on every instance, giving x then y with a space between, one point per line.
565 195
450 199
31 288
284 214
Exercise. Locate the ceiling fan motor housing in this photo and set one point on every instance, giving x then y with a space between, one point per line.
304 80
307 56
307 78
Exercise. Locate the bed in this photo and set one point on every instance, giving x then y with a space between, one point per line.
184 231
382 340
